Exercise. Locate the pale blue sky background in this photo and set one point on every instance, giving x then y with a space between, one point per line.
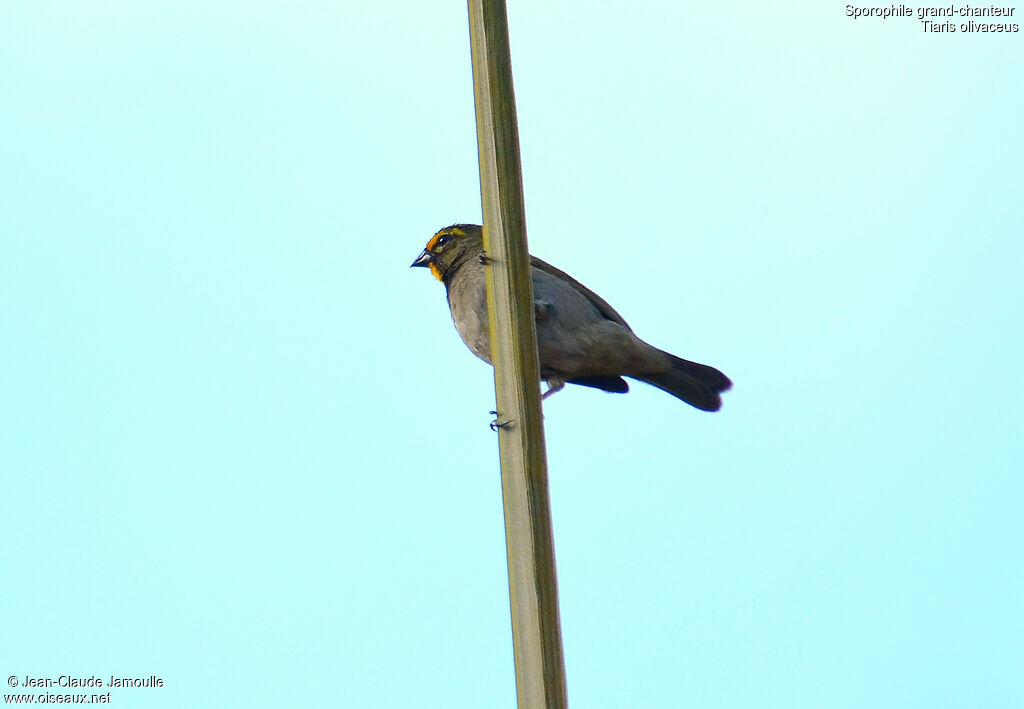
243 449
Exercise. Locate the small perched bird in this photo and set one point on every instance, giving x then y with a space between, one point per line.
580 338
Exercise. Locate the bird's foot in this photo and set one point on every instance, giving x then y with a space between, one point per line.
497 423
484 259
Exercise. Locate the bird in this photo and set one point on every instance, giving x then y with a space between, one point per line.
581 339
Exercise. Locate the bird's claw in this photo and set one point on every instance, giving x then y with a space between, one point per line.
495 424
484 258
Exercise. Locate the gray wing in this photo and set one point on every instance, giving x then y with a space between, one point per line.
599 302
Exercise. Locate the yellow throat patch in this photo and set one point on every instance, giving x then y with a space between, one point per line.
454 231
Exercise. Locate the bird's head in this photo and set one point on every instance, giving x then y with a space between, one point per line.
449 247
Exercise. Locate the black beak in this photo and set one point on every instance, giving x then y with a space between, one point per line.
424 259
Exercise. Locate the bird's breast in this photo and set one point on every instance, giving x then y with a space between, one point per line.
467 300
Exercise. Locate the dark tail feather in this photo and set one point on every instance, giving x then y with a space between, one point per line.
615 385
697 384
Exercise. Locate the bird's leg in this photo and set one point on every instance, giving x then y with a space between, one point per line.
555 383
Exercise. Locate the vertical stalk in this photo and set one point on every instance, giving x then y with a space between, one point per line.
533 588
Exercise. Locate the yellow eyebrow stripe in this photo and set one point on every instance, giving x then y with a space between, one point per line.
454 231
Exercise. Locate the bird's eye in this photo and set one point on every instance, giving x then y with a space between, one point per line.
442 240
